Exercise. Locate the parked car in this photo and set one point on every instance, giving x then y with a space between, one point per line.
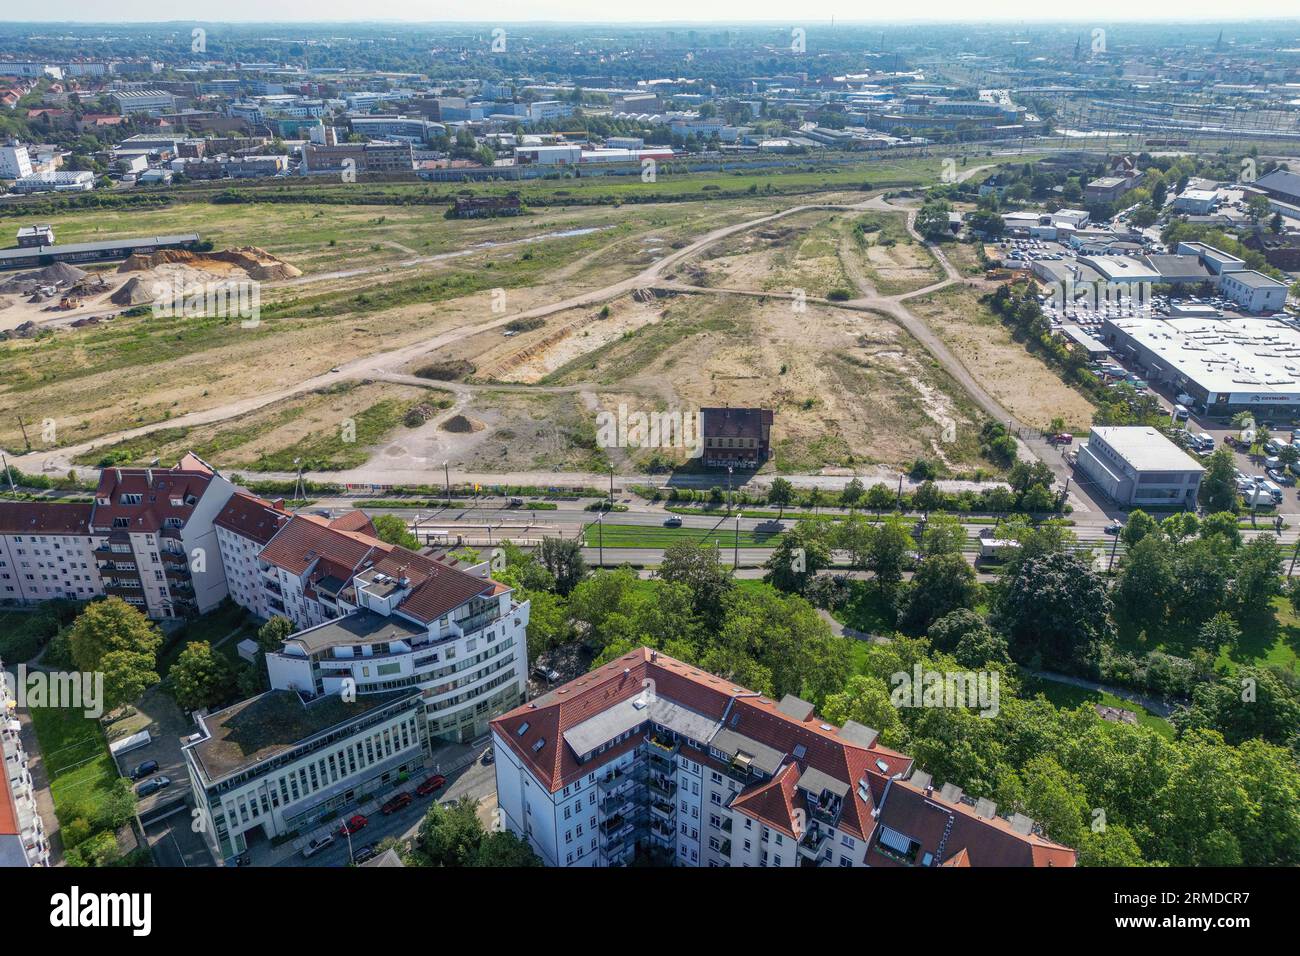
489 756
1281 477
153 786
1063 438
367 852
315 846
548 674
146 768
1115 527
354 823
432 785
1181 414
396 803
673 521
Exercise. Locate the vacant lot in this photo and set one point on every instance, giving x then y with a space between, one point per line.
1022 383
891 259
849 388
331 429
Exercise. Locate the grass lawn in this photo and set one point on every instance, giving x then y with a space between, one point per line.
76 758
867 609
210 627
1276 643
648 536
1068 697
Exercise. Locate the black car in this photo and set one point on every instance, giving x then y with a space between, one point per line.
367 852
146 768
152 786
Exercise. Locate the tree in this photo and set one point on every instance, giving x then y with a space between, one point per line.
981 649
1139 525
1055 609
781 494
942 584
943 534
945 633
272 635
450 834
113 637
603 604
562 557
1111 846
866 700
199 677
1258 576
1146 581
1222 524
889 551
932 220
795 561
700 568
393 530
1219 483
502 848
852 492
881 497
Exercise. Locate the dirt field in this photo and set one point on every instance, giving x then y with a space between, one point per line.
799 252
337 427
887 254
1018 380
850 389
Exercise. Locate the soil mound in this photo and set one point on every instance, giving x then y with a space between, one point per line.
132 292
462 425
258 263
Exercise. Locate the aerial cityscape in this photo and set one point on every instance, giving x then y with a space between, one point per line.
581 444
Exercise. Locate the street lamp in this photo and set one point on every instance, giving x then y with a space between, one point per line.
600 535
735 555
446 477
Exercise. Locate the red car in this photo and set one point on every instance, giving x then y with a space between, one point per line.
355 822
1064 438
396 803
432 785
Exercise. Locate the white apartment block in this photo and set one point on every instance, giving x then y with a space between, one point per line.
15 162
22 831
649 759
279 763
47 551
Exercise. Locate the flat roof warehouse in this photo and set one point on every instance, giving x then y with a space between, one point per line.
1233 360
29 257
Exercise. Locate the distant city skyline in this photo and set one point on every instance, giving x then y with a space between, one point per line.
660 12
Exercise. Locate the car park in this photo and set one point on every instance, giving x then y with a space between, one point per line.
315 846
432 785
153 786
393 804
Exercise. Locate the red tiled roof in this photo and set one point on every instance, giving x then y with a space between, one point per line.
356 520
251 517
44 517
436 588
305 538
925 816
773 802
555 764
157 488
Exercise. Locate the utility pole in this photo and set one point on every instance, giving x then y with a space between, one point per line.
735 554
1294 554
600 535
297 484
1114 546
611 486
12 490
446 477
26 441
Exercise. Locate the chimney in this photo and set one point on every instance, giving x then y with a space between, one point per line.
278 504
148 477
654 655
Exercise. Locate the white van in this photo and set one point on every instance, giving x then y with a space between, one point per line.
1274 491
1181 414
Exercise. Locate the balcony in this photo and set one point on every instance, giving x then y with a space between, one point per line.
663 810
666 745
177 573
812 844
661 762
123 590
662 834
663 787
620 779
174 558
619 804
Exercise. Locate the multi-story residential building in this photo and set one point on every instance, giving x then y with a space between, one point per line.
157 546
15 163
650 758
22 831
399 619
281 763
47 551
310 561
244 526
377 156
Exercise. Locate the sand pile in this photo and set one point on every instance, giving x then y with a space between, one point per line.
258 263
462 425
132 292
60 273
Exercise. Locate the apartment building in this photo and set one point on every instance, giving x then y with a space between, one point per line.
22 831
377 156
157 546
244 526
281 763
47 551
650 759
401 619
15 163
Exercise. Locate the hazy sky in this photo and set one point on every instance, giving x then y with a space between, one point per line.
659 11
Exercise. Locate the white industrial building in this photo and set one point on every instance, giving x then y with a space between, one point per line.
1137 466
1226 365
15 163
1254 291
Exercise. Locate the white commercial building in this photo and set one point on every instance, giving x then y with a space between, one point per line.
1226 365
1198 202
57 182
151 102
1137 466
1254 291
